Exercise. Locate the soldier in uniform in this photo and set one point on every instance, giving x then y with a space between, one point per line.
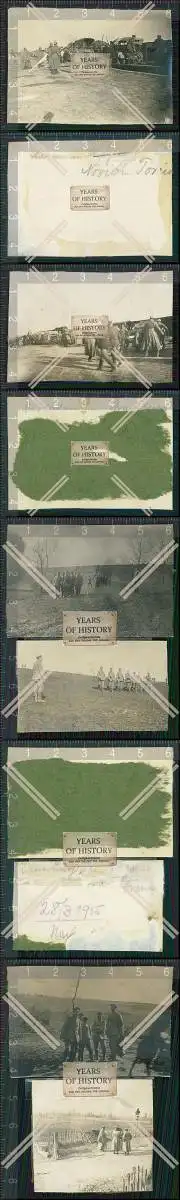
38 681
102 1139
68 1035
98 1036
114 1141
86 1042
114 1032
128 1140
147 1051
111 680
101 679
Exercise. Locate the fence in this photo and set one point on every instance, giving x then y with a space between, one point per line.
138 1180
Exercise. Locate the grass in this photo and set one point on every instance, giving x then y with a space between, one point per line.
147 613
29 1056
74 702
87 796
25 943
44 455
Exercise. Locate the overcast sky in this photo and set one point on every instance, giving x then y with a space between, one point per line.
139 656
33 33
151 987
71 550
45 304
48 1097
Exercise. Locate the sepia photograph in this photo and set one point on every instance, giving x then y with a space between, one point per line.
132 435
82 1144
88 906
91 66
99 327
94 588
81 216
70 688
95 1015
53 790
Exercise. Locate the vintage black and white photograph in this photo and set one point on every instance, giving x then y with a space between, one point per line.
96 587
86 906
90 67
92 1143
133 437
56 789
99 327
82 187
94 1014
91 687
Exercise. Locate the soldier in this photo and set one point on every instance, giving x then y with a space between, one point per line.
78 1033
68 1035
101 679
111 680
38 680
146 1053
114 1032
120 1140
114 1142
128 1140
119 680
98 1036
89 346
102 1139
86 1042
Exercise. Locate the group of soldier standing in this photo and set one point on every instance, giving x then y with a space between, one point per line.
119 1140
100 1040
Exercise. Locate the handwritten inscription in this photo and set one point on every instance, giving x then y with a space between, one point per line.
110 165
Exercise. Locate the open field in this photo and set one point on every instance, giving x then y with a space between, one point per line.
100 1172
74 702
44 456
85 793
30 1057
91 101
147 613
70 363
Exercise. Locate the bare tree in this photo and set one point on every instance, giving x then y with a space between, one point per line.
41 554
139 549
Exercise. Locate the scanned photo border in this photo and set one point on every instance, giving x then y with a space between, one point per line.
30 143
136 5
17 1172
19 1180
